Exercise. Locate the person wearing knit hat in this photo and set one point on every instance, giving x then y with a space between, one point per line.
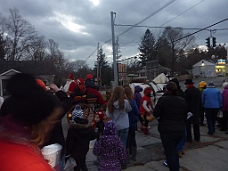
79 135
224 119
212 103
77 112
26 117
92 89
41 84
202 86
110 145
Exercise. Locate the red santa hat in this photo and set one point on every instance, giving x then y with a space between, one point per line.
89 76
71 76
80 81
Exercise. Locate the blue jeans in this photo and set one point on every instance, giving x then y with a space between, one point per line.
180 146
123 134
211 115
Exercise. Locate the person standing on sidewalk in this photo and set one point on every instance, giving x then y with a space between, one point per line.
117 110
212 102
224 107
193 101
202 87
133 119
110 149
171 112
138 98
146 109
180 92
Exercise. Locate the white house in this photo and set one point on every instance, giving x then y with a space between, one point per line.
204 68
4 77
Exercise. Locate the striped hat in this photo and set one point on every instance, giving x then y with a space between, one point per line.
77 112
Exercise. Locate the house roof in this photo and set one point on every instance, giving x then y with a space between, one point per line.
9 71
206 63
34 67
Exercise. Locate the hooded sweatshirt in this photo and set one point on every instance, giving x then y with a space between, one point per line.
137 95
120 117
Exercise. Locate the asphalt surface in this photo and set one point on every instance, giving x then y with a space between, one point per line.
210 154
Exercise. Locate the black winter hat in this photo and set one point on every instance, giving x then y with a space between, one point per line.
175 80
28 103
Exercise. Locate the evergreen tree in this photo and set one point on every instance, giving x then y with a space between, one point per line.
102 63
147 48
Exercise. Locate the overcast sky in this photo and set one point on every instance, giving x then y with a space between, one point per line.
78 25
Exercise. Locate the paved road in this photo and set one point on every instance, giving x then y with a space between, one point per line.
210 154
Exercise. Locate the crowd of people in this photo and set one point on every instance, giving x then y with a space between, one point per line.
30 119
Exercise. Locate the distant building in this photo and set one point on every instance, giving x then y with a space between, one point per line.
42 70
152 70
204 68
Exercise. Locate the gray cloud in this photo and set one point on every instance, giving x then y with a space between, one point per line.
50 17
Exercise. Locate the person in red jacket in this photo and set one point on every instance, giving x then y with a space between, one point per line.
70 84
91 88
26 118
146 109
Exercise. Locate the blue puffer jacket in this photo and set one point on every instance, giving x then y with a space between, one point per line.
212 98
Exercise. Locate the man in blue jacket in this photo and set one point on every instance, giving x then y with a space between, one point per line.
212 102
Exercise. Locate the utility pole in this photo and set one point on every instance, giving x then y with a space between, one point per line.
114 50
98 62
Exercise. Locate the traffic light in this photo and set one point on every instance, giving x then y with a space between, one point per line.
213 41
208 42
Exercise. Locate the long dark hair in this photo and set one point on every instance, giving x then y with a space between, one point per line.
117 95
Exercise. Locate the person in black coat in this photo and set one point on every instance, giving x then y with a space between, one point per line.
193 101
79 136
170 111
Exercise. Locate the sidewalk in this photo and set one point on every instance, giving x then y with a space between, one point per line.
210 154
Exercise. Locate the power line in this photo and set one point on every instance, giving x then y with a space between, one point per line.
183 12
172 18
205 28
164 6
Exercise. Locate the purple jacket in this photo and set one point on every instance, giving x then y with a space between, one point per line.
111 150
225 99
137 95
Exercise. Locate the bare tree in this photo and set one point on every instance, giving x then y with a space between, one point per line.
176 42
20 33
79 64
37 49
